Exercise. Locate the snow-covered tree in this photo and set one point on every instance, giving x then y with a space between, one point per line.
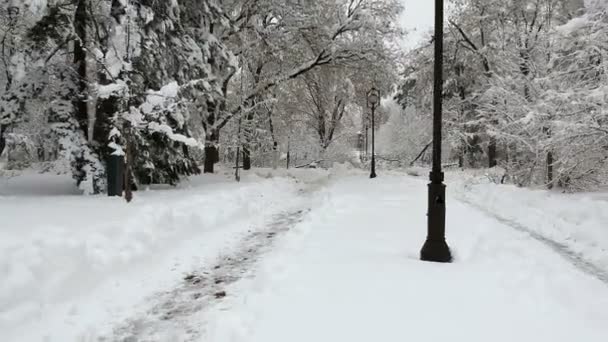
523 85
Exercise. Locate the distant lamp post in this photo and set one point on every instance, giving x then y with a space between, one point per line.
373 99
435 247
366 139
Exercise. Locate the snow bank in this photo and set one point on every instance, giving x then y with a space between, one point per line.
57 247
578 221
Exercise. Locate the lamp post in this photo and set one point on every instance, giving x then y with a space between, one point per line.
373 99
435 247
366 139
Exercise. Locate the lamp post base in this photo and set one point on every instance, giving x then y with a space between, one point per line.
435 247
436 251
373 172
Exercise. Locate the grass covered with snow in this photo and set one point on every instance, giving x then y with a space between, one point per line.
578 221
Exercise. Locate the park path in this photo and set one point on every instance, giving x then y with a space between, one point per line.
173 315
344 267
350 272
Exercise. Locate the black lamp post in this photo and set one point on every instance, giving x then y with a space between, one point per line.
373 99
366 138
435 247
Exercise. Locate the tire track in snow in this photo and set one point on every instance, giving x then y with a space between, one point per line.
174 316
561 249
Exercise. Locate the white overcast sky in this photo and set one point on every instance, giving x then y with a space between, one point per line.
418 19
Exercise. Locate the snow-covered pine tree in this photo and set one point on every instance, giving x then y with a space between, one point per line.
157 65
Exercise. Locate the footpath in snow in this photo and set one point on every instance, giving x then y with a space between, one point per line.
350 272
304 255
72 267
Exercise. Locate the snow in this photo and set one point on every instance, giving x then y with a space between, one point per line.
351 272
118 151
34 6
574 25
158 98
578 221
112 89
69 263
168 131
75 268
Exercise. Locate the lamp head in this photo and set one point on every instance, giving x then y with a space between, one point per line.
373 97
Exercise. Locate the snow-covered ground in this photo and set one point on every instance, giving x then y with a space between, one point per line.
576 221
79 268
69 263
351 272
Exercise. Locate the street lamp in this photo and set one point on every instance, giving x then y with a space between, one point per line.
435 247
373 99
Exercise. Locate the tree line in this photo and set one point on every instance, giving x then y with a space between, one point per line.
183 82
526 89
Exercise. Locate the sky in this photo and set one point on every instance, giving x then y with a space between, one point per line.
417 18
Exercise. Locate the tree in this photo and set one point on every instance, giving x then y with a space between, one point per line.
134 61
523 76
295 38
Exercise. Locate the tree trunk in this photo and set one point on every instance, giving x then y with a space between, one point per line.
461 158
128 163
288 151
250 126
275 156
2 139
210 151
246 158
80 60
212 138
492 153
463 97
212 154
550 170
249 132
